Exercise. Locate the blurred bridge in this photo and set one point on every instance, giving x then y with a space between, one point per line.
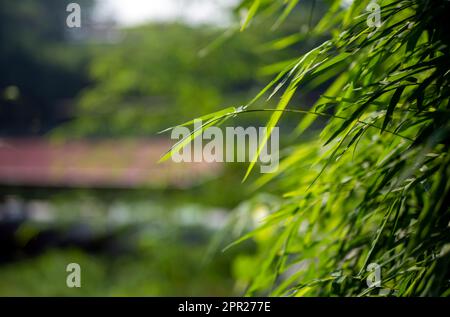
36 162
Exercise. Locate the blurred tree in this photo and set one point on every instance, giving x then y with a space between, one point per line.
161 74
41 66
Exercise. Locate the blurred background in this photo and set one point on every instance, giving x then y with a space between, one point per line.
80 111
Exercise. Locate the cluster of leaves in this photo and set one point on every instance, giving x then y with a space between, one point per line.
372 186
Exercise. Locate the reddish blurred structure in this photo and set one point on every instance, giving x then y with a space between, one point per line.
95 164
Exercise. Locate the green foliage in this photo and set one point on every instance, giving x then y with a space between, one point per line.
159 74
372 186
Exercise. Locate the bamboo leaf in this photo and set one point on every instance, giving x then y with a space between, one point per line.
251 12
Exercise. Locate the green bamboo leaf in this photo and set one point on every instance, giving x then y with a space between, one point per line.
186 140
251 12
287 10
206 117
274 118
332 90
390 110
355 114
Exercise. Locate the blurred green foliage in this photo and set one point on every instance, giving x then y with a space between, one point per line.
157 76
